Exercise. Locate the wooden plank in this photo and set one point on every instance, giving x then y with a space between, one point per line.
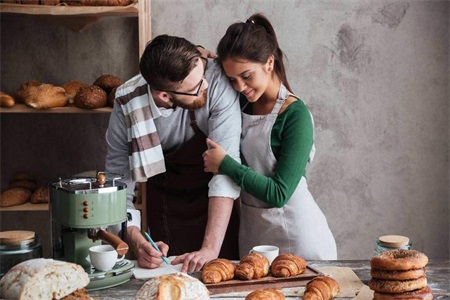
22 108
237 285
26 207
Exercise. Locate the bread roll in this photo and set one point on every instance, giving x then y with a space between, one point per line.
6 100
46 96
218 270
173 286
71 88
107 82
42 279
252 266
40 195
90 97
14 196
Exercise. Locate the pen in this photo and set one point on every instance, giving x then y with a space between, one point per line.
156 247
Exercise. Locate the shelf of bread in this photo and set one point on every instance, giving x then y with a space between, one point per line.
26 207
22 108
57 10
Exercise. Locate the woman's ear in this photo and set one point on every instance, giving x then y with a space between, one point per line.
270 63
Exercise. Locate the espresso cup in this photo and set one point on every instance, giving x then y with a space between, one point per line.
269 251
104 257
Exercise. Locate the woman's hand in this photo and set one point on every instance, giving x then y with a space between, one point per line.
213 157
205 52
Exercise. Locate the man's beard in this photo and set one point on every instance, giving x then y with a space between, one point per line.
196 104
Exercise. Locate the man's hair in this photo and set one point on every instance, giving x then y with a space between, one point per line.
167 61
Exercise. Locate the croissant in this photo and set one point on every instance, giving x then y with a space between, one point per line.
321 288
218 270
252 266
265 294
286 265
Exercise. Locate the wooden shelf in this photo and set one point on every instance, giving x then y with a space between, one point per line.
79 18
26 207
21 108
65 10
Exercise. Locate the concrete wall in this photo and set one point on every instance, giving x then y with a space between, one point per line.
375 75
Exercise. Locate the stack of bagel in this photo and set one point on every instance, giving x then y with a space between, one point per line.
399 274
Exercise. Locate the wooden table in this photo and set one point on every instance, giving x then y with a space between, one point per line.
437 272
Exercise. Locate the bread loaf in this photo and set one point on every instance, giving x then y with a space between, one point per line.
99 2
265 294
179 286
6 100
218 270
90 97
14 196
252 266
321 288
23 91
46 96
23 176
40 195
287 265
71 88
42 279
29 185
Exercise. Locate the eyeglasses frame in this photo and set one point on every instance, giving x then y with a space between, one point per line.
199 87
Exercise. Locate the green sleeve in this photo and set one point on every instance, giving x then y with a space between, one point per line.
291 141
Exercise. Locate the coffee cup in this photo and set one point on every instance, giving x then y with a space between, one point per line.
104 257
269 251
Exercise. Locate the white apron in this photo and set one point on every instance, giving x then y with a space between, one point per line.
299 227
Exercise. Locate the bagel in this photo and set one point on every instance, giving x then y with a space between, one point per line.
397 275
399 259
397 286
423 294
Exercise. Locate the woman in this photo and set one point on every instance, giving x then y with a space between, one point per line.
276 144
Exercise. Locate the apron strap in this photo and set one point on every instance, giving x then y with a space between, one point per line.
194 122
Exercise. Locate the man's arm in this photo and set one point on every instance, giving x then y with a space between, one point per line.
219 212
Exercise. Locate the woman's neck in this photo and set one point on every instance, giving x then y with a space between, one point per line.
265 103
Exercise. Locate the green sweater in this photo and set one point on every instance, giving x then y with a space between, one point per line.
291 141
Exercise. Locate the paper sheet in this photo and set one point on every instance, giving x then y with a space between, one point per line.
349 283
141 273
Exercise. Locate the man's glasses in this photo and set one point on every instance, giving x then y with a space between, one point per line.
199 85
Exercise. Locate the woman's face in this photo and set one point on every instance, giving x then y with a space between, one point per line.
249 78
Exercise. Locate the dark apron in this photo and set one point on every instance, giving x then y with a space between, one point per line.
177 201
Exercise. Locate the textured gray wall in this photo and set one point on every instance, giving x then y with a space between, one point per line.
375 75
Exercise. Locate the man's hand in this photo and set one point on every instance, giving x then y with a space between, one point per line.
147 256
213 157
150 258
194 261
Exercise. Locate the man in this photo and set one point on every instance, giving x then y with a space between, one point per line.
158 130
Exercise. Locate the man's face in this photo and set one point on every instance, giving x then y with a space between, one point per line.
192 91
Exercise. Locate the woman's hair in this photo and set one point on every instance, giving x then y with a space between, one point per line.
254 40
167 60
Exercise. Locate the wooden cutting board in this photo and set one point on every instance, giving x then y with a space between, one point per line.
238 285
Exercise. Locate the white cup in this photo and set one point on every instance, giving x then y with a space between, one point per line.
269 251
104 257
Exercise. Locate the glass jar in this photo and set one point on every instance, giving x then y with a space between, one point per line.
391 242
16 247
